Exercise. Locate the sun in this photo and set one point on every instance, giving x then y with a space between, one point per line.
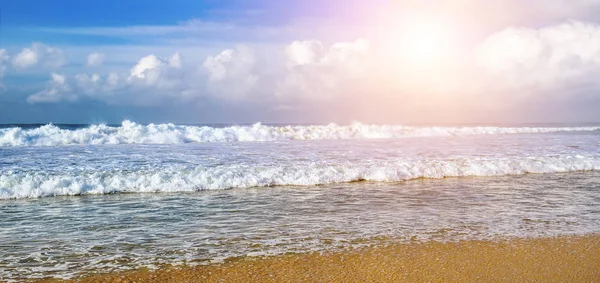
423 43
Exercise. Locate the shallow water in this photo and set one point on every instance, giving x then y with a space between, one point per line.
64 235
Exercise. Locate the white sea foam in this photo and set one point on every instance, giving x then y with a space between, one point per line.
16 184
133 133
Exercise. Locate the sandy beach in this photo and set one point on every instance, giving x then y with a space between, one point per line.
563 259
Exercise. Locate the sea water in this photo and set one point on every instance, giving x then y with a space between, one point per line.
97 198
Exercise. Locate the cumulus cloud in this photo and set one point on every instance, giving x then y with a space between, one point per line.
230 73
89 83
108 88
160 73
39 55
147 69
25 59
548 57
304 52
149 82
57 89
175 61
95 59
545 58
317 72
312 52
355 75
307 71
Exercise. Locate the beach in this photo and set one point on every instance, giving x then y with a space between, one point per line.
560 259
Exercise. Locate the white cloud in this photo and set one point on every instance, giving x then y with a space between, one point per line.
149 82
549 57
57 90
112 80
229 63
87 81
161 73
230 73
175 60
147 69
39 55
353 75
25 59
109 88
304 52
349 53
95 59
313 72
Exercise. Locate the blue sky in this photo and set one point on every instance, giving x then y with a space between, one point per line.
376 61
67 13
24 20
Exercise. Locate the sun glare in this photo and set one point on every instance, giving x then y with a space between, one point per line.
423 43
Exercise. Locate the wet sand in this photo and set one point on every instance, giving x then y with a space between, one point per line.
563 259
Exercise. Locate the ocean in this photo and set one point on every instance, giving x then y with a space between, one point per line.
78 199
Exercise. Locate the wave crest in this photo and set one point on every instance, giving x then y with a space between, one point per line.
41 184
133 133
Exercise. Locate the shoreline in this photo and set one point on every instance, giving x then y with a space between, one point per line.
564 258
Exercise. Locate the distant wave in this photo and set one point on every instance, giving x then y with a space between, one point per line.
16 184
133 133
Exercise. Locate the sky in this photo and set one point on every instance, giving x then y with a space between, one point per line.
242 61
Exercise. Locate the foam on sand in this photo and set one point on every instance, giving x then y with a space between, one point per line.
564 259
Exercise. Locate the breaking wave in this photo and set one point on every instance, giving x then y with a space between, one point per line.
133 133
15 184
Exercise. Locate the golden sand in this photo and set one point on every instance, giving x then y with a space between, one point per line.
564 259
